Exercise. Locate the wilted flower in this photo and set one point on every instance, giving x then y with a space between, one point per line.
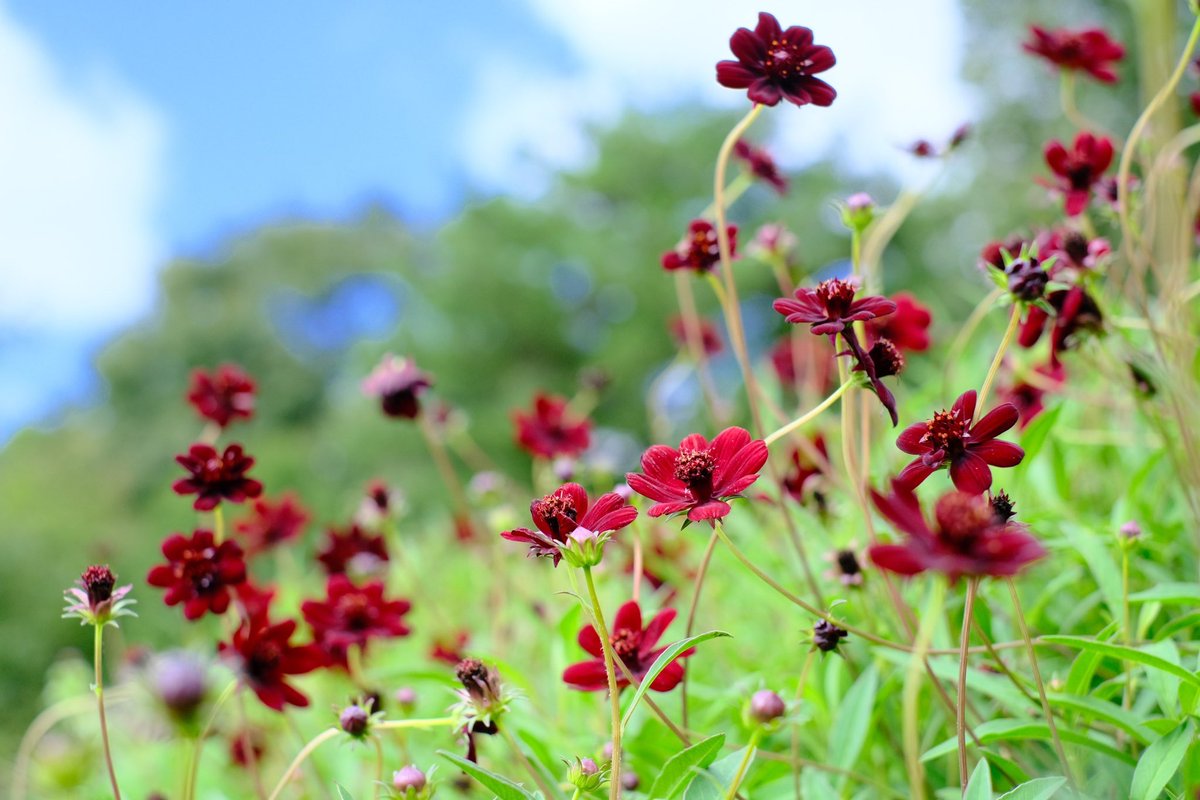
760 164
97 600
699 249
565 512
1026 279
846 568
199 573
352 550
216 476
634 645
1003 507
1090 50
774 64
351 616
450 648
223 395
265 657
273 521
827 636
881 360
907 327
483 699
1078 169
551 430
399 385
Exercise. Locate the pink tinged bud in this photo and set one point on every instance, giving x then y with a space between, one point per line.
588 767
354 720
857 202
766 706
1131 530
408 778
406 697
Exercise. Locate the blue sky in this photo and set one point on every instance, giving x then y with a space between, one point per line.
157 131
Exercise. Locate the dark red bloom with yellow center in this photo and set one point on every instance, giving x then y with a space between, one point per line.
1079 168
699 250
353 615
199 573
551 430
1090 50
831 308
216 476
969 449
699 477
633 644
968 537
273 521
774 64
907 327
351 550
760 164
265 657
223 395
566 510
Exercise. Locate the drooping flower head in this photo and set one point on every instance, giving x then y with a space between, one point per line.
351 616
907 327
399 385
774 64
551 430
699 477
699 249
760 164
881 360
707 336
216 476
352 550
264 657
272 522
199 573
967 537
96 599
1077 170
223 395
636 645
830 308
482 701
566 512
970 449
1075 314
1089 50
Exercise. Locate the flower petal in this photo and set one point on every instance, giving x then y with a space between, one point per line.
995 422
971 474
999 453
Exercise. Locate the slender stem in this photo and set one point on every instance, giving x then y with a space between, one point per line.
399 724
808 416
378 765
1127 625
218 519
99 663
733 313
255 767
193 772
960 706
639 564
967 330
526 764
695 342
751 748
1041 687
441 460
614 785
301 757
1013 320
697 586
912 690
800 686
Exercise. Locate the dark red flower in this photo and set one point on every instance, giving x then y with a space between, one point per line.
831 308
774 64
1028 394
632 644
992 253
1075 312
805 363
699 250
264 656
254 600
805 476
199 573
565 510
272 522
907 327
1090 50
710 339
352 615
970 450
450 648
246 746
699 477
216 476
96 598
351 550
1194 102
967 539
1071 249
760 164
551 430
223 395
879 361
398 384
1079 169
923 148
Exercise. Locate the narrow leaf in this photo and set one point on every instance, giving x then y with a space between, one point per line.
979 787
660 664
1036 789
853 721
1159 763
1170 593
502 787
1122 653
680 768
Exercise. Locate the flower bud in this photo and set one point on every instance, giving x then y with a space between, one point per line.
766 706
827 636
1131 531
408 778
858 212
585 775
406 698
179 681
355 720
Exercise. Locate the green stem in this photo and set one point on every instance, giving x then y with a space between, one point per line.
193 771
697 586
960 706
218 518
99 663
378 765
614 784
301 757
912 689
751 748
1127 625
809 416
398 724
1013 320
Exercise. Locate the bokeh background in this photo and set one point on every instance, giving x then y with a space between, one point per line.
486 185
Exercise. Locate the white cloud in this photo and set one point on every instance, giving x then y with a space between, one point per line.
80 171
897 79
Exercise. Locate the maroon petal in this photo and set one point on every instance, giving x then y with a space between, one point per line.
822 93
731 75
971 474
629 617
653 489
745 462
914 475
999 453
589 676
748 48
658 625
909 440
966 404
900 559
713 509
610 513
995 422
765 92
658 462
589 640
669 678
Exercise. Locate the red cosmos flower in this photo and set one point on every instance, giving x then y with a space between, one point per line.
969 449
907 327
760 164
1072 249
992 253
223 395
1075 312
831 308
1090 50
561 513
710 339
398 384
968 538
776 64
96 599
699 477
254 600
273 521
805 476
450 648
353 615
699 250
351 550
634 645
199 573
216 476
1078 170
551 431
1194 102
1028 395
264 656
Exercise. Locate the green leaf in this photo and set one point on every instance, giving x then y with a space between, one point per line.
1164 686
1036 789
660 664
1159 763
342 793
502 787
1035 435
979 787
1104 569
1171 593
1122 653
814 783
680 768
1008 730
853 721
713 782
1108 712
1079 679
